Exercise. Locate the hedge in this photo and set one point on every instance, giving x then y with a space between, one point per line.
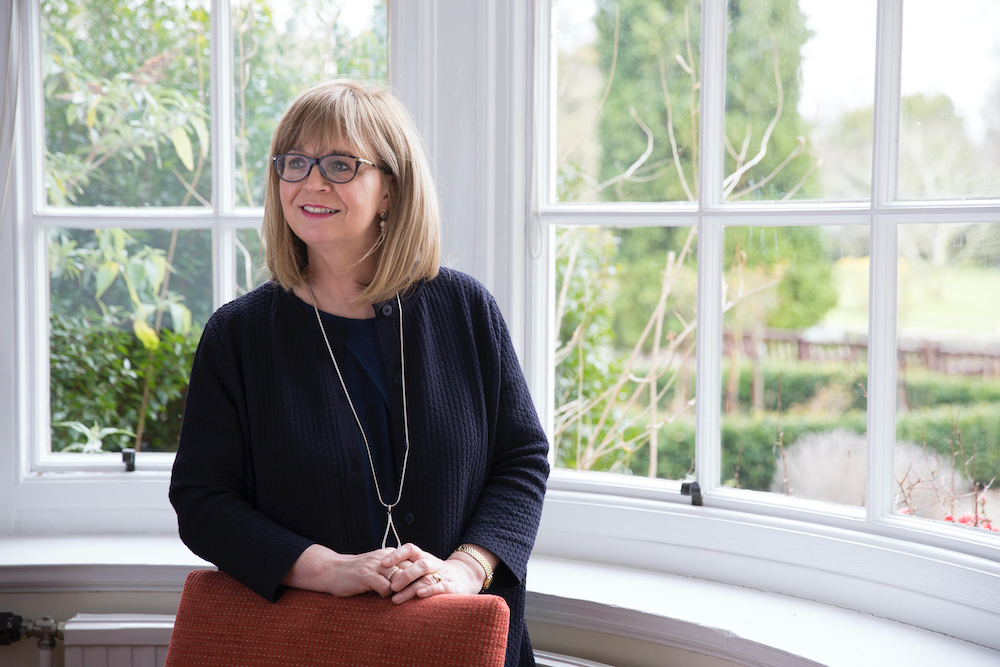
976 428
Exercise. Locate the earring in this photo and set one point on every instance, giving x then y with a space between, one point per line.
382 217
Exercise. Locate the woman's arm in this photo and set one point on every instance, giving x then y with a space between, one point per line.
506 516
211 486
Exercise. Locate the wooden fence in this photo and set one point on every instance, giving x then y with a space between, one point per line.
954 358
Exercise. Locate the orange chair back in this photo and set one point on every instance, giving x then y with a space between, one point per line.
220 622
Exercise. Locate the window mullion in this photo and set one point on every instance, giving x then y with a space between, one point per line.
539 250
881 367
882 275
885 140
708 452
31 238
712 104
223 162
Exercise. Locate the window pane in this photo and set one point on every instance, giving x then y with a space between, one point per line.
793 385
126 102
947 455
250 269
799 94
627 100
625 350
126 312
949 135
280 49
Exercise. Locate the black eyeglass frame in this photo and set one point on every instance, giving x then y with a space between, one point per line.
317 162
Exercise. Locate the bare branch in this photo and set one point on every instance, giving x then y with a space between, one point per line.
797 151
190 190
670 132
809 172
695 106
635 165
733 179
567 277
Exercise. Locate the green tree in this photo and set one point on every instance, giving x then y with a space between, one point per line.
766 145
126 103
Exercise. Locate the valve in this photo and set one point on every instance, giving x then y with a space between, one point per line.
47 630
10 628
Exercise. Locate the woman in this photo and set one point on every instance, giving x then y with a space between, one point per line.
360 423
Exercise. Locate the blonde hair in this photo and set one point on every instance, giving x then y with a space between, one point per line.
375 123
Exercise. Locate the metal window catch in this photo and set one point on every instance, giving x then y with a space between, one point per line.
692 489
128 458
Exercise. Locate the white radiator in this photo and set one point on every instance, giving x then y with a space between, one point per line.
117 640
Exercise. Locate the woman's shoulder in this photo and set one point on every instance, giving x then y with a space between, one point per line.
455 286
254 306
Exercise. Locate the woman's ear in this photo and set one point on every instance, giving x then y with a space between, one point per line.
384 202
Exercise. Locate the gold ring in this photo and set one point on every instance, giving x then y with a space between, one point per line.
392 572
436 576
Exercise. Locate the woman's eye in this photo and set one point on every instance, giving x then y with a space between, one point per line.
295 163
338 166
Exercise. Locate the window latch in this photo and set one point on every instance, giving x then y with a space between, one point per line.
692 489
128 458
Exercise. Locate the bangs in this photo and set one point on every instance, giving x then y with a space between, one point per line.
339 123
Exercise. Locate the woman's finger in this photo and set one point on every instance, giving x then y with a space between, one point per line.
414 571
408 551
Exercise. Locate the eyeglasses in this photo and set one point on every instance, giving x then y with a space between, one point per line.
293 167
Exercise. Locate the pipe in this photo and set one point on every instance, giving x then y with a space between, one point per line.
47 629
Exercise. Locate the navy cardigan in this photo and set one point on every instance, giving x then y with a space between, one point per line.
270 460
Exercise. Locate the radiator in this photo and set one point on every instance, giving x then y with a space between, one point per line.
117 640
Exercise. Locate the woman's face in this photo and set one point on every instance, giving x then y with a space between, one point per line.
342 216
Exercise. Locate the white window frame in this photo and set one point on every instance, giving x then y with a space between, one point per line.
473 140
36 217
794 546
48 492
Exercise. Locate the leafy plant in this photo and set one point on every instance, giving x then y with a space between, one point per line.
97 370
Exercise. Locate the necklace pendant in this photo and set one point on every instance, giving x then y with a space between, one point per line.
389 525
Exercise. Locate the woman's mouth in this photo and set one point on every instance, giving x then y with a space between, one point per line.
318 210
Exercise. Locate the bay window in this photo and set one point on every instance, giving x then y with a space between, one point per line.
771 236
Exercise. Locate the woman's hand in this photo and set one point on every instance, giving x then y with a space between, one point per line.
423 574
322 569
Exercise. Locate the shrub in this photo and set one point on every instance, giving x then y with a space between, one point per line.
97 372
751 440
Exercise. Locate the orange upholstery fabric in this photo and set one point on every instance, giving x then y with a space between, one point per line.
221 622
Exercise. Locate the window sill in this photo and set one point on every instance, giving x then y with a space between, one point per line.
145 563
841 565
729 622
725 621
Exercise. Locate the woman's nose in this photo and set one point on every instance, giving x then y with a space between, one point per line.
315 179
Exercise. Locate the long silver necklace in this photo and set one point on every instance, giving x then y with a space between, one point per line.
389 525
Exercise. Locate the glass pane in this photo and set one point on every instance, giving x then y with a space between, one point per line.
794 366
250 269
627 96
949 135
126 313
947 455
279 50
126 102
625 350
798 103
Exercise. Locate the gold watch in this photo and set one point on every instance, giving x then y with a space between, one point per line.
481 559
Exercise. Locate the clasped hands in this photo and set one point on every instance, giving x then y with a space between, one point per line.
401 573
